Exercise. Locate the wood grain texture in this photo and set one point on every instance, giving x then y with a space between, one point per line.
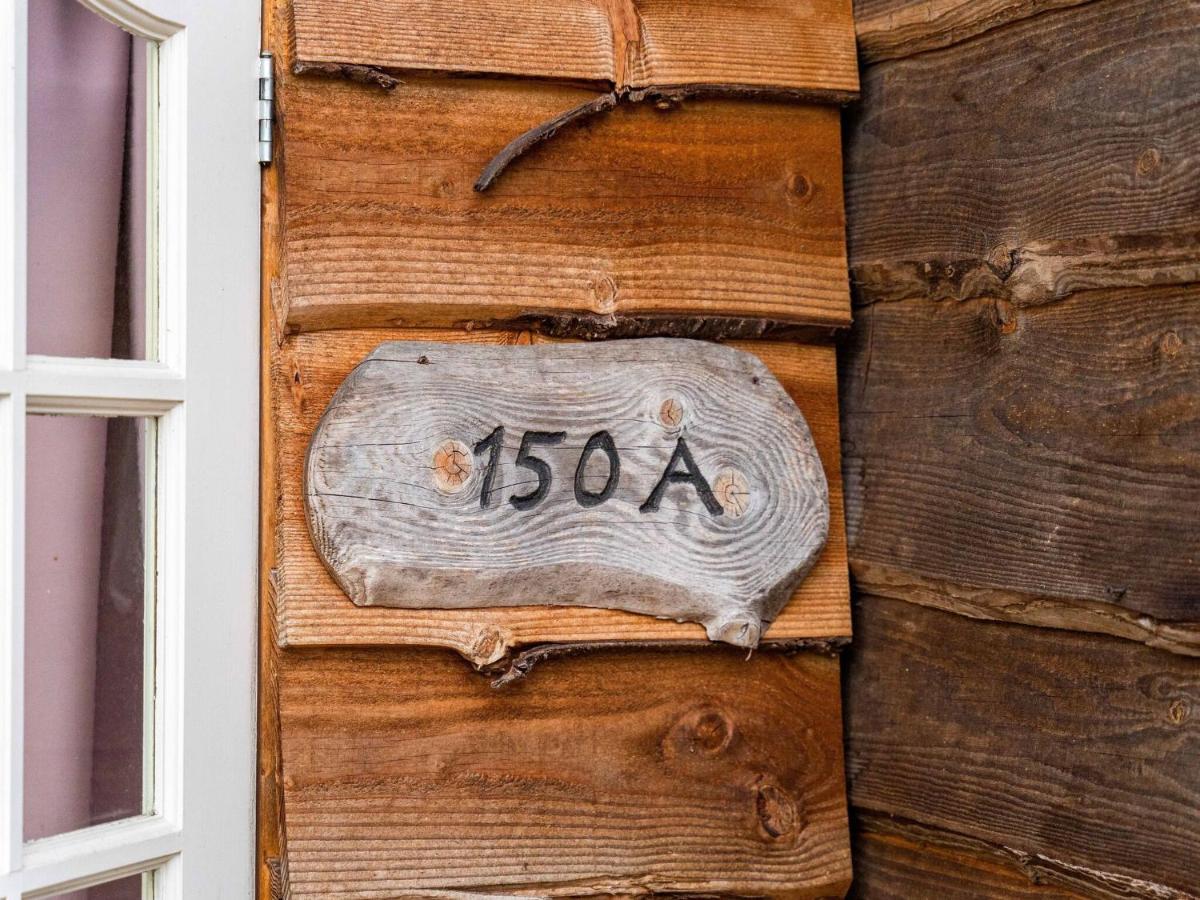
1053 155
902 862
1044 453
667 477
1078 750
889 29
718 208
777 43
408 776
269 852
568 39
623 43
314 610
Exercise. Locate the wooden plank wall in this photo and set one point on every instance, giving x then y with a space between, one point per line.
1021 443
641 767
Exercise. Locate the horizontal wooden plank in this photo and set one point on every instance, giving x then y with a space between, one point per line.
1052 155
717 208
889 29
808 47
1077 749
566 39
614 773
894 865
1051 451
312 609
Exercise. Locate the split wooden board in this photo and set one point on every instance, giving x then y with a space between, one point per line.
313 610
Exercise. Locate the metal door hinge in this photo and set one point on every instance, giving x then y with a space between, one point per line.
266 106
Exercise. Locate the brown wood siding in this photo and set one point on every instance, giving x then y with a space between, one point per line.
399 771
719 208
805 47
407 775
1019 402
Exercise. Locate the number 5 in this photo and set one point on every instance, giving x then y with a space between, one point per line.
539 466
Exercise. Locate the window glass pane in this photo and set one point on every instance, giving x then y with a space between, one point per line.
132 887
89 101
87 621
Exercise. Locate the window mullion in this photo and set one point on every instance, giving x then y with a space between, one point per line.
103 853
100 387
12 626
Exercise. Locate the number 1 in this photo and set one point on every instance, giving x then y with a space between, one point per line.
492 443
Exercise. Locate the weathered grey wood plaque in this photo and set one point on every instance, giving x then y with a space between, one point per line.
669 477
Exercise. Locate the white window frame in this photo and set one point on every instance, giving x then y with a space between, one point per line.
204 392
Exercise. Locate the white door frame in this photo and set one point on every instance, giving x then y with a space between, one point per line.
204 392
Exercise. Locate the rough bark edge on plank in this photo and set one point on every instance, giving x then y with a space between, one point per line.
356 73
664 97
1038 273
277 866
1095 616
1039 869
516 666
591 327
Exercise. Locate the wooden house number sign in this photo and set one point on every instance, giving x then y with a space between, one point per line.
667 477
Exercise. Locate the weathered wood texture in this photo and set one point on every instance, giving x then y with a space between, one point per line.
667 477
624 43
408 776
718 208
889 29
1078 750
1051 155
1021 445
312 609
1039 463
902 862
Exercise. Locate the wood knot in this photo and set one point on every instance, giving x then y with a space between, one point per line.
1002 260
1149 162
799 186
422 360
487 646
732 491
451 466
604 294
1006 317
1169 345
1179 712
775 809
670 413
703 732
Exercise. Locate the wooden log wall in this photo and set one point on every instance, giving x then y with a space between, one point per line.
1021 440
